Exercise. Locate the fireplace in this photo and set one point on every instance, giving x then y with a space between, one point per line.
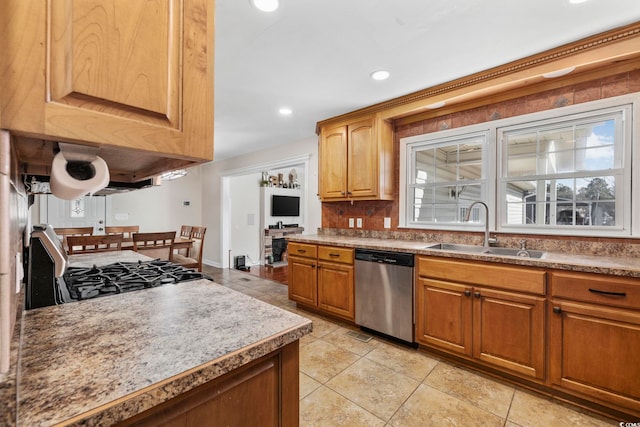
278 249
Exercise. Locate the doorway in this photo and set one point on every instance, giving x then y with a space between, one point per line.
232 219
90 211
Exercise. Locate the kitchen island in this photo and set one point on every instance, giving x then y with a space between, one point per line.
104 360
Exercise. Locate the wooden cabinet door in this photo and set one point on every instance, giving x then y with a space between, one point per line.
133 74
508 331
362 159
336 289
302 281
263 393
444 315
333 163
594 351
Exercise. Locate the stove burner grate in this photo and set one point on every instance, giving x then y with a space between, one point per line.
85 283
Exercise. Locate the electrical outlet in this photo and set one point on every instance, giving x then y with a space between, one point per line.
359 222
351 221
387 222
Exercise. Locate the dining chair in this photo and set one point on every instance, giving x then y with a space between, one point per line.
194 260
185 233
127 232
63 233
155 245
90 244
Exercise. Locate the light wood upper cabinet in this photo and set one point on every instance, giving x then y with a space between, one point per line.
111 73
356 160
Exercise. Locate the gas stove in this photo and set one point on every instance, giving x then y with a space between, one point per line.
85 283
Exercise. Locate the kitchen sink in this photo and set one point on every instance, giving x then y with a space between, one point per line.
454 247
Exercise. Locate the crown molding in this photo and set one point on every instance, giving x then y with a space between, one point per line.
586 55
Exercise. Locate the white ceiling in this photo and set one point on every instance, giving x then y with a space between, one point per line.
315 56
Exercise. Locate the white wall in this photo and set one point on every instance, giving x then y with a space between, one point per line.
245 213
212 194
160 208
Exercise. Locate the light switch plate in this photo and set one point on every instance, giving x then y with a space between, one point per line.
351 221
359 222
387 222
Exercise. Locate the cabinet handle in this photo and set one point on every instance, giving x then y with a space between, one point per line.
313 266
476 294
302 251
334 255
343 193
612 294
557 310
467 293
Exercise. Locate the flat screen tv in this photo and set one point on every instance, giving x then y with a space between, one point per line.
285 205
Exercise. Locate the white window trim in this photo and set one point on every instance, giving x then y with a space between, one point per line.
631 152
488 164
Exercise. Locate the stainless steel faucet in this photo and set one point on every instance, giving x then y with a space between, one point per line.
486 220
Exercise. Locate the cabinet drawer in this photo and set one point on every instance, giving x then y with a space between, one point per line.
302 250
333 254
494 275
600 289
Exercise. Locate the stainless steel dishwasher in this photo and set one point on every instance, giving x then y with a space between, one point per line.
384 292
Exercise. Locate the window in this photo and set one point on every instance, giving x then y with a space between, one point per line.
446 175
563 171
565 174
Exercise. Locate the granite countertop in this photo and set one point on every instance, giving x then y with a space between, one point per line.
618 266
99 361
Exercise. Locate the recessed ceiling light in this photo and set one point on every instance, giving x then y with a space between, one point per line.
285 111
577 1
558 73
380 75
436 105
265 5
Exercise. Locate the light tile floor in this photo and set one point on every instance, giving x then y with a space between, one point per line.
347 382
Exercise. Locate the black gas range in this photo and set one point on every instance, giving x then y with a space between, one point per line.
120 277
52 281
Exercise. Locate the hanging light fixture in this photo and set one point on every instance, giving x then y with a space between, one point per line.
265 5
170 176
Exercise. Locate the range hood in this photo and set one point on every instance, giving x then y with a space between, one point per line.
39 184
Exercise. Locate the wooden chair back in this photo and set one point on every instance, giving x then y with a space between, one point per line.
127 232
194 260
90 244
154 245
185 233
63 233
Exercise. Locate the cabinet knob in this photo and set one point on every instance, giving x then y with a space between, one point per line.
557 310
476 294
467 293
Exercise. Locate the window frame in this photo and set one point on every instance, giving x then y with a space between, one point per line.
628 103
622 149
410 145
